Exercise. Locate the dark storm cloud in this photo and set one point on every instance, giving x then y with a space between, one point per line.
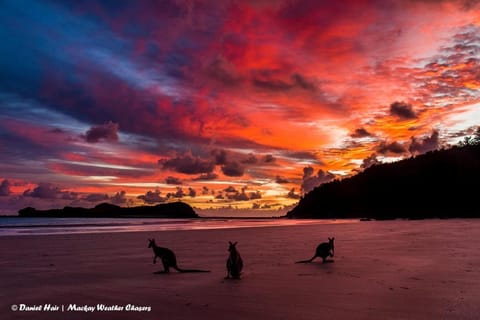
5 188
369 161
230 189
402 110
303 155
119 198
268 158
311 181
206 176
180 193
66 195
188 164
220 156
243 195
391 148
152 197
107 131
96 197
425 144
251 159
173 180
292 195
233 169
280 180
222 70
44 191
271 80
192 192
360 133
205 190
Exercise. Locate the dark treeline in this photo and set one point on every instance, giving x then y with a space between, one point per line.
107 210
438 184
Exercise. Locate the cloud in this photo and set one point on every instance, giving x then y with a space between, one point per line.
44 191
280 180
360 133
230 189
233 169
205 190
394 148
107 131
425 144
220 156
243 195
273 80
223 71
269 158
152 197
173 180
369 161
255 195
96 197
191 192
178 194
251 159
206 176
119 198
303 155
292 195
5 188
311 181
188 165
402 110
66 195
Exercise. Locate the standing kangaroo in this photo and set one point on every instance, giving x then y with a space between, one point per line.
324 250
168 258
234 262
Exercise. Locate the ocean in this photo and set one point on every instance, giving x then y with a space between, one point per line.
16 226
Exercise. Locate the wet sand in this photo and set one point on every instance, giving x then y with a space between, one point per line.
383 270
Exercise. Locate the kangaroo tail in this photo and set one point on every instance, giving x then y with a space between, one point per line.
306 261
189 270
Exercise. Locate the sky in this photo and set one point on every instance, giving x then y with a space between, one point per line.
224 104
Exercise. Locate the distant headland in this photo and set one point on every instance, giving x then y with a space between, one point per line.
438 184
107 210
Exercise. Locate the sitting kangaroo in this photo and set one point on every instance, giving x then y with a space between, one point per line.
234 262
324 250
168 258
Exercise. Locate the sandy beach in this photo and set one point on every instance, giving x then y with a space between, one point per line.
383 270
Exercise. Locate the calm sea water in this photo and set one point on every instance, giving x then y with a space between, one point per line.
43 226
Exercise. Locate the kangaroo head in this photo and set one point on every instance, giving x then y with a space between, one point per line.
151 243
232 246
330 242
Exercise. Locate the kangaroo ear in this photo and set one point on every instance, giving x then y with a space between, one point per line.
235 243
230 243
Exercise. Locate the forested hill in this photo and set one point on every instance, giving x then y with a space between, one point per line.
443 184
107 210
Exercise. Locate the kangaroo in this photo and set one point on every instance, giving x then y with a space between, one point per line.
234 262
168 258
324 250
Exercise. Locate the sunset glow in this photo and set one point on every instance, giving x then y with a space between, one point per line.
238 104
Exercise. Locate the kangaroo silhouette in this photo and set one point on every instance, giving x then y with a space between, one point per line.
234 262
169 260
324 250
